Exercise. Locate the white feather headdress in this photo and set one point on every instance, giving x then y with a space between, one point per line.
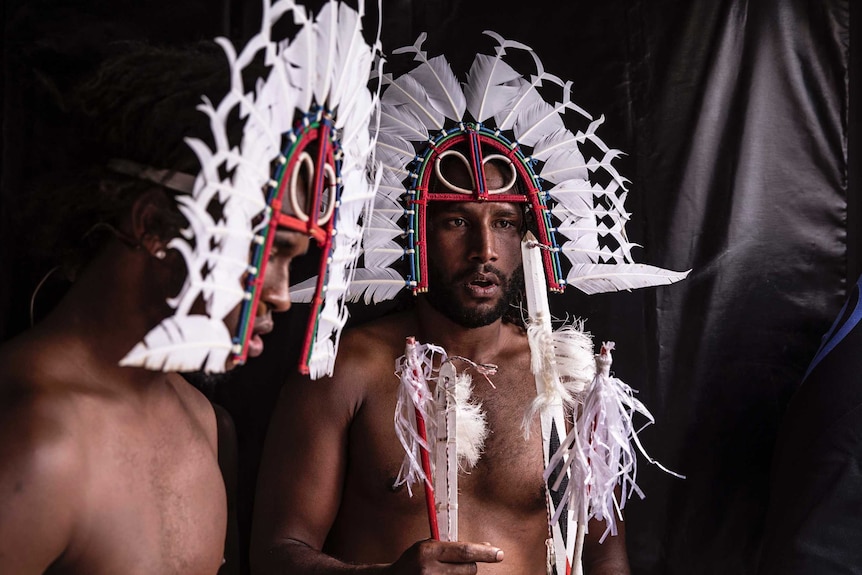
313 88
565 172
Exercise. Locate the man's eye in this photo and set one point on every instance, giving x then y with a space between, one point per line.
506 224
457 222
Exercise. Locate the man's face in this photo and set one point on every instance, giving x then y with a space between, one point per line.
474 254
275 291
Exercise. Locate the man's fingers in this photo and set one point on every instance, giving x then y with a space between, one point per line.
469 553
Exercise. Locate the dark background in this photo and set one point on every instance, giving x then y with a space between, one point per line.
742 139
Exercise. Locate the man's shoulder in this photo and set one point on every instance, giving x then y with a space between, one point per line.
47 406
367 353
378 338
40 437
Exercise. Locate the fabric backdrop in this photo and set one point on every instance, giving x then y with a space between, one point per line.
734 116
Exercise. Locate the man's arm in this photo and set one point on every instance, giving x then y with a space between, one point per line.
227 462
299 482
608 558
39 486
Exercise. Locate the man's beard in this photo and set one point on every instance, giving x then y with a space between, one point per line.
207 383
443 295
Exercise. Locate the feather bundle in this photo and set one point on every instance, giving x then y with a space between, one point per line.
600 450
414 400
562 363
417 370
472 425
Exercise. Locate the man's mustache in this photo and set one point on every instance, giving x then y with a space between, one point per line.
486 270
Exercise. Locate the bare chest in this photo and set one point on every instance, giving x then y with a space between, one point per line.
157 503
508 474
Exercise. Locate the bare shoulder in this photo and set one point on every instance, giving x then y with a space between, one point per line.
370 350
366 355
39 414
377 339
43 475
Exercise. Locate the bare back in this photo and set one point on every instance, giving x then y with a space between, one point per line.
100 477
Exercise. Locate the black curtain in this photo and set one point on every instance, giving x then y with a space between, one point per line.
735 117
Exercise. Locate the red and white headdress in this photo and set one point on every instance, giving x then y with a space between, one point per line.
307 114
557 165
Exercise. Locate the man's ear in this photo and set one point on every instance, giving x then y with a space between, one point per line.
151 222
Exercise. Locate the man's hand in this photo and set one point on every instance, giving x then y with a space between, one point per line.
446 558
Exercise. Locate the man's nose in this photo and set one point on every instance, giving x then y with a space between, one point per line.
483 244
276 286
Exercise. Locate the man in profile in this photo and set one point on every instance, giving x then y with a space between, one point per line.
109 458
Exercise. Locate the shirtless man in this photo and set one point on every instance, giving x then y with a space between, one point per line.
110 469
107 469
325 501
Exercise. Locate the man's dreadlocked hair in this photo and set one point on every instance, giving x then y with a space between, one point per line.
139 105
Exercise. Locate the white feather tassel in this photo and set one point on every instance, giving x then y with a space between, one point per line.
600 450
472 427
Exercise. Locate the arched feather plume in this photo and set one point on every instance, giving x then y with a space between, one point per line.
581 186
327 64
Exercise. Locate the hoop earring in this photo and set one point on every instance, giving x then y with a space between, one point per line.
122 236
36 292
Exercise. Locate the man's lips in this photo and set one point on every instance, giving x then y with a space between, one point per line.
483 285
262 326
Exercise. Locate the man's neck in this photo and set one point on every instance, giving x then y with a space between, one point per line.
479 344
104 314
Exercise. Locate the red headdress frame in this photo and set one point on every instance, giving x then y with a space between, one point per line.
478 139
316 219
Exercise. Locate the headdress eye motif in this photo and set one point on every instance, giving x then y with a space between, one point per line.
326 205
491 157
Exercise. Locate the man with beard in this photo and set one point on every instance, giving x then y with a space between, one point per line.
326 502
468 167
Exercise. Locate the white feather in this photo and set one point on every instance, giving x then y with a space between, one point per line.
471 423
583 249
576 198
436 76
183 343
486 90
555 141
536 120
408 92
401 121
383 256
599 278
376 285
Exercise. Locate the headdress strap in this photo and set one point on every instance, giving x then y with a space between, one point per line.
173 180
